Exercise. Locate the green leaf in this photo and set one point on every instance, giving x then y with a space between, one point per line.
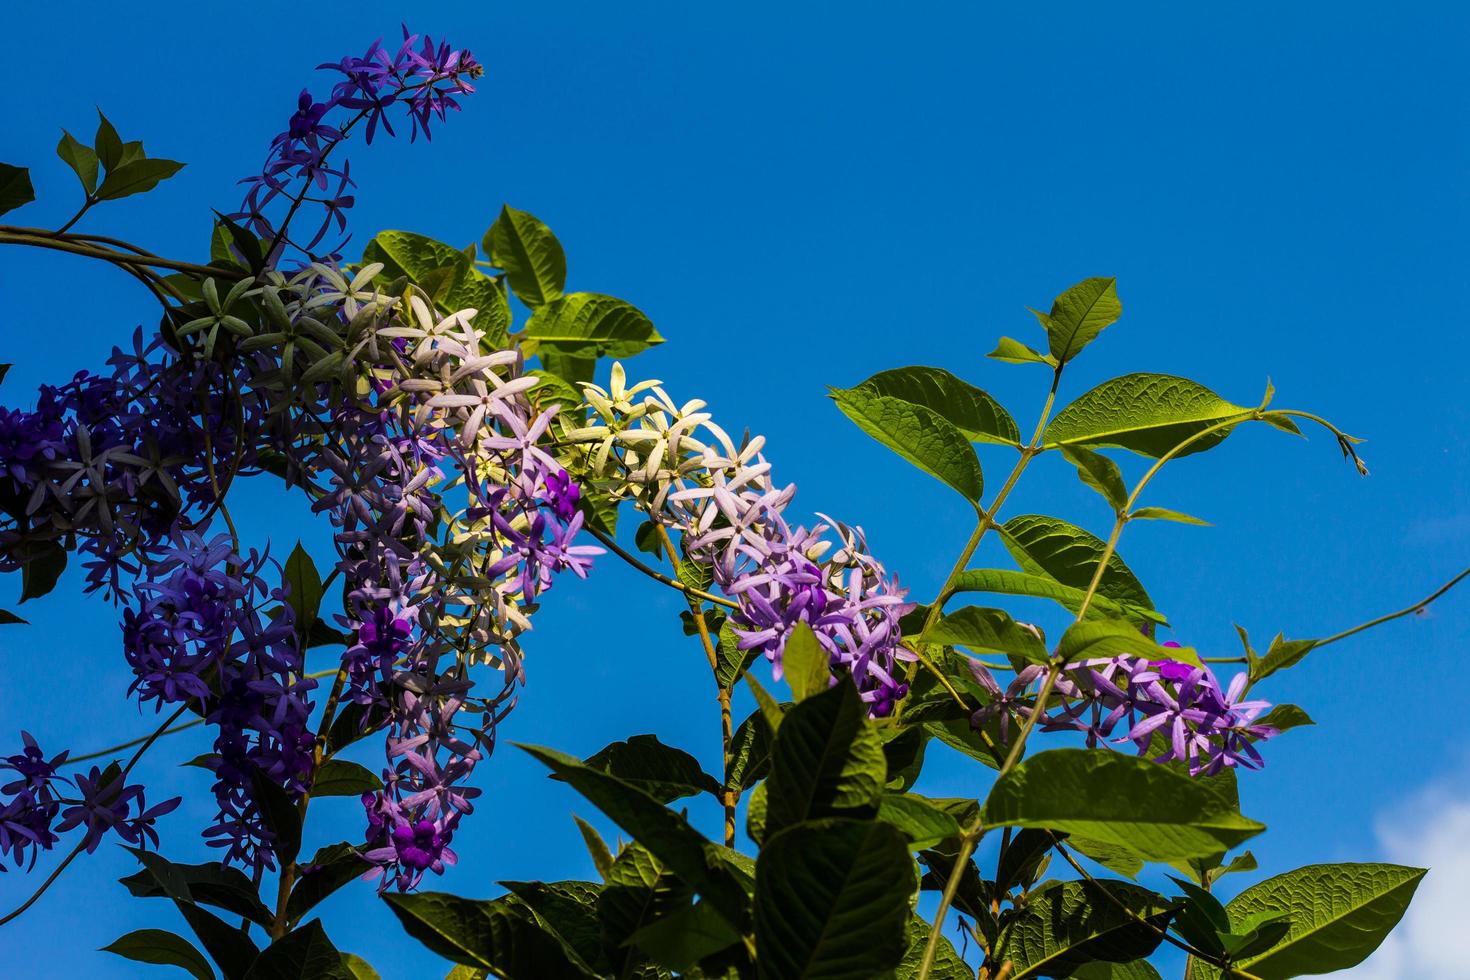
667 835
1285 717
1014 352
662 771
832 900
980 417
39 574
1165 514
108 144
921 822
918 434
638 891
211 884
827 761
1282 653
280 816
501 936
903 752
1099 970
1005 581
1149 414
230 948
331 868
1050 546
983 631
602 858
1118 860
358 968
1079 315
1065 924
136 177
681 939
162 948
1099 639
306 954
591 325
532 258
447 274
1020 862
568 909
769 709
15 187
1149 809
338 777
305 586
733 662
804 664
750 752
947 964
8 618
82 159
1100 473
1339 914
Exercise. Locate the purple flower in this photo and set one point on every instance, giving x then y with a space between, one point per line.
105 805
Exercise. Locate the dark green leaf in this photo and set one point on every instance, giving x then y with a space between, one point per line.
770 710
306 954
7 618
947 964
663 772
639 890
733 661
358 968
983 631
903 753
502 936
354 721
1282 653
305 586
1069 923
591 325
569 910
1050 546
164 949
827 761
230 948
108 144
922 823
82 159
532 258
980 417
683 938
1005 581
918 434
1099 970
212 884
1149 809
1149 414
1014 352
1079 315
1284 717
338 777
750 752
1019 861
667 835
281 818
804 663
39 574
832 900
330 868
15 187
1339 914
136 178
1100 473
602 858
447 274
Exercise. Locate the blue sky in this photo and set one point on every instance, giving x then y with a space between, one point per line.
802 195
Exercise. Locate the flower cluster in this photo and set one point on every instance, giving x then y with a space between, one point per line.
731 517
421 76
1176 711
35 808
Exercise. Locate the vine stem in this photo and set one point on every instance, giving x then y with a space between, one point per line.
653 573
56 872
729 799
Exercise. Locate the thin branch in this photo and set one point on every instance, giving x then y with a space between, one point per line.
654 573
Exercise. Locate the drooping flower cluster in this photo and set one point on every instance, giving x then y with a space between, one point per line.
421 76
201 630
1169 710
35 807
731 517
